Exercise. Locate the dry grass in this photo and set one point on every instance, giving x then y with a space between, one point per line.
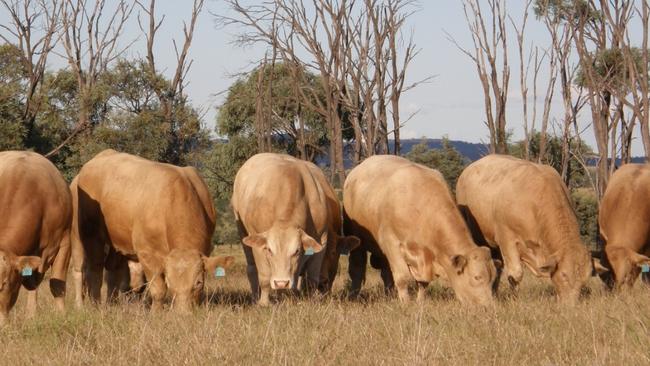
530 329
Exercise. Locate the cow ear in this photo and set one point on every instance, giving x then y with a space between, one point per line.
459 262
598 267
255 241
210 264
309 242
22 262
347 244
639 259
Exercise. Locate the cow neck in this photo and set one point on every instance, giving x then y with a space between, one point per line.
559 231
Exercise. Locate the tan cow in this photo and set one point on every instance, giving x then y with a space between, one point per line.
524 209
35 213
624 221
407 219
287 213
157 214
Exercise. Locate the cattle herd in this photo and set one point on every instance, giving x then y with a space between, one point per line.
136 224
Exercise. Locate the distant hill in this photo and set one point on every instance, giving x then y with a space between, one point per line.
472 151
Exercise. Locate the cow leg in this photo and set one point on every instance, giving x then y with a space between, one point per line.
77 255
157 288
251 273
422 291
512 268
116 275
358 260
136 277
59 272
400 272
32 298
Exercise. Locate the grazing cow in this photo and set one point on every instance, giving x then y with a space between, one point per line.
524 209
624 221
35 212
159 215
287 213
407 219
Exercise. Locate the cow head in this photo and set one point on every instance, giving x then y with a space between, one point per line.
625 263
184 272
569 267
472 275
282 249
330 265
11 267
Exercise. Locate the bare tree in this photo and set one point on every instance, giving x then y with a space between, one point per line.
633 69
395 20
170 94
490 55
356 49
524 74
33 29
90 40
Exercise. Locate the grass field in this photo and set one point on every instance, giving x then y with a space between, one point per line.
527 329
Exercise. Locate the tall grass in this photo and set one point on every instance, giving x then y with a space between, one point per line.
527 328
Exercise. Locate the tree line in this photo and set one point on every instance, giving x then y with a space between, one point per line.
327 87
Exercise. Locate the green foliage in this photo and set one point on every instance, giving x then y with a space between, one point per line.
222 163
446 160
611 69
565 10
237 114
585 203
12 130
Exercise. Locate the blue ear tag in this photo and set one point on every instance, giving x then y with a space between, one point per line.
309 251
27 271
645 268
220 272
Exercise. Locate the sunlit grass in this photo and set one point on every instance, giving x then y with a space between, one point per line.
526 328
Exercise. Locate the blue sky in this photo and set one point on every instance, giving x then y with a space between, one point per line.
451 104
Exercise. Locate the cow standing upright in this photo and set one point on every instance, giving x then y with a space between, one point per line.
287 213
35 214
624 221
524 209
407 219
159 215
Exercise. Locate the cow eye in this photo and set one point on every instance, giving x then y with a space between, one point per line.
297 252
478 278
268 251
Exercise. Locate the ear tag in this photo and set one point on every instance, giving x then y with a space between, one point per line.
220 272
309 251
645 268
26 272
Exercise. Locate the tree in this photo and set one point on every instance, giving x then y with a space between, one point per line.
353 47
91 45
295 128
171 98
32 31
446 160
490 55
12 131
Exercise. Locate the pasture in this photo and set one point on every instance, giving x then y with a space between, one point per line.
530 328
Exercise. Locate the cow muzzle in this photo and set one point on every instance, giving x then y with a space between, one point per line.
281 284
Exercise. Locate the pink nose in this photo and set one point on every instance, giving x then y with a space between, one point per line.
281 284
